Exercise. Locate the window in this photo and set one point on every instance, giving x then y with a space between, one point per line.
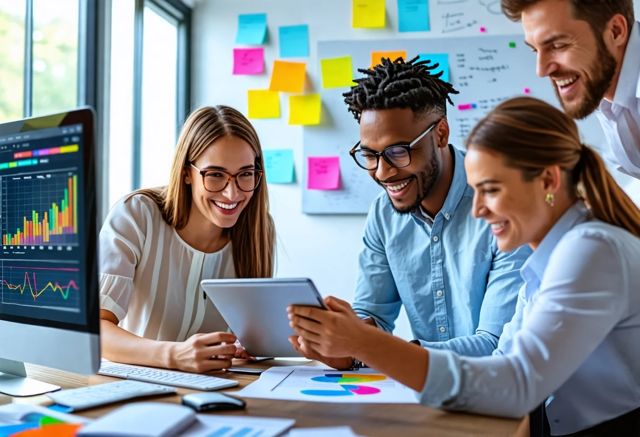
148 98
39 57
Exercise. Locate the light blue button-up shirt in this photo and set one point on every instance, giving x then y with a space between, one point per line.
457 288
575 335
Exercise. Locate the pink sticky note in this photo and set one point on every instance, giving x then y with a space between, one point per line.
483 29
324 173
248 61
527 91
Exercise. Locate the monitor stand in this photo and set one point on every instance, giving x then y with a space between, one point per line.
14 381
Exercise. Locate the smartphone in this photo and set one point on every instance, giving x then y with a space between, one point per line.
208 401
246 370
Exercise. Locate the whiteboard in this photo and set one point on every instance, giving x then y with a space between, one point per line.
485 69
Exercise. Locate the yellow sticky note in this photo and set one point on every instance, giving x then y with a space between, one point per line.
368 13
288 77
337 72
305 109
376 57
263 104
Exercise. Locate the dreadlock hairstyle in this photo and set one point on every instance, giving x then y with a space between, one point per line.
400 84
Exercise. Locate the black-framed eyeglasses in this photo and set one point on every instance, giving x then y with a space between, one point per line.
215 181
396 155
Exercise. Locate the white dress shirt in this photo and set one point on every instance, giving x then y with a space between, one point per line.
620 119
574 338
150 278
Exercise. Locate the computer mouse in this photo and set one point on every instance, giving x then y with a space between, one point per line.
208 401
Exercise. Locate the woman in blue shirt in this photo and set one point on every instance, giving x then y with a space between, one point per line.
574 340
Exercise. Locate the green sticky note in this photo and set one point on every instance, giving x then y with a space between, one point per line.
279 166
512 44
337 72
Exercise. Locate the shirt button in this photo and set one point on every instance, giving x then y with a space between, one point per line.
442 329
435 238
439 293
447 216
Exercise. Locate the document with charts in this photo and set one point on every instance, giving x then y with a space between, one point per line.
317 384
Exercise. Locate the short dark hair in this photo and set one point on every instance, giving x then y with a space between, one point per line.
400 84
595 12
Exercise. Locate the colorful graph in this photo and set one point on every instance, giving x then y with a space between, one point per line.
51 204
348 383
31 285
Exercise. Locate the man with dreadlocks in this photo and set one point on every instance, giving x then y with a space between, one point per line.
423 249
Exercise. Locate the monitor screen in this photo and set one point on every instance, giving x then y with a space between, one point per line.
48 267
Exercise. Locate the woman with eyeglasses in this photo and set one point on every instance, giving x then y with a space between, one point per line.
156 245
574 341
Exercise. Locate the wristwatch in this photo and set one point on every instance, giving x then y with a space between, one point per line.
357 364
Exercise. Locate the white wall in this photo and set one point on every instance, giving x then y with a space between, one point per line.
324 248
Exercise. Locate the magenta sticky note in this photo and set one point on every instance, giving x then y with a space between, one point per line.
248 61
323 173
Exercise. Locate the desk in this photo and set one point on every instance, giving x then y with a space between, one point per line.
364 419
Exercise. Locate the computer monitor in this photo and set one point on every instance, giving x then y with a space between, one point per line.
49 312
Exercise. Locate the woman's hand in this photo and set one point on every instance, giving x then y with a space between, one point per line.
336 333
202 353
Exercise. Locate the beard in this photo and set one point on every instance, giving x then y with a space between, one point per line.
604 67
426 180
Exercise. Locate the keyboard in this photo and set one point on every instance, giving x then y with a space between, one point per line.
166 377
95 395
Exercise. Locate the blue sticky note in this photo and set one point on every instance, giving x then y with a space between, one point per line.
252 28
437 58
413 15
279 166
294 41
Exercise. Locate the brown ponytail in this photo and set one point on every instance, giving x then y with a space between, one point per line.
606 200
532 135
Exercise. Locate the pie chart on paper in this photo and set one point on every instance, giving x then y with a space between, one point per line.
350 384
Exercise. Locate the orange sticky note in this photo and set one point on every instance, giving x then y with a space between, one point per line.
305 110
376 57
288 77
368 13
263 104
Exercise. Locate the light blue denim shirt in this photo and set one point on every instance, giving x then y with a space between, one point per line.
575 335
457 288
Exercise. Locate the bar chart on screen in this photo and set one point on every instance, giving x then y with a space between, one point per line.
40 209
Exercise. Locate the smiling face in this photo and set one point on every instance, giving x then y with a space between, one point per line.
406 187
222 209
514 208
578 63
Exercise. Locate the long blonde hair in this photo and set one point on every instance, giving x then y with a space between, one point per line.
532 135
253 235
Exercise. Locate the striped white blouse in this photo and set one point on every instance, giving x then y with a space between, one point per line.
150 278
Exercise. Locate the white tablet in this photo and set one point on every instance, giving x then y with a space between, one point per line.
256 310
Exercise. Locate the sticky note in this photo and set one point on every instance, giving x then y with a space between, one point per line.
252 29
337 72
483 29
248 61
323 172
263 104
413 15
305 109
368 13
512 44
288 77
279 166
437 58
294 41
376 57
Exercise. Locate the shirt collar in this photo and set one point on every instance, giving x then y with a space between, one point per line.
628 87
535 265
457 189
